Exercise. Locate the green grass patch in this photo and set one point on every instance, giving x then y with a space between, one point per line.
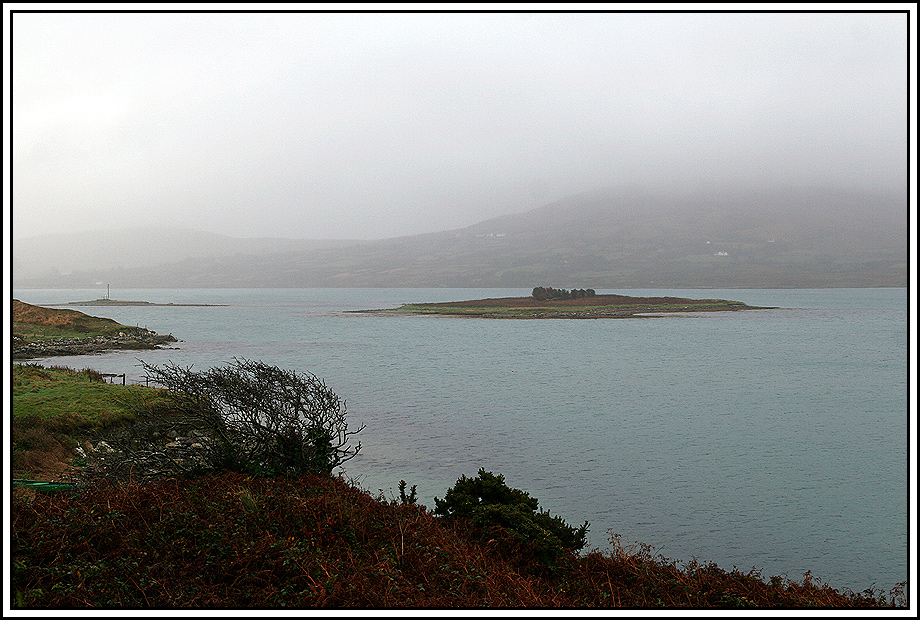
66 400
52 405
32 332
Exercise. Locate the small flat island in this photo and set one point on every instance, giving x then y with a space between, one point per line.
585 305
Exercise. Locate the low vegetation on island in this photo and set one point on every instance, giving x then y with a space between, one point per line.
552 303
216 489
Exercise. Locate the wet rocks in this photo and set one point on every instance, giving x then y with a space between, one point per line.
133 339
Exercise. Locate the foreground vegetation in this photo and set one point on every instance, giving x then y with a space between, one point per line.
241 540
232 540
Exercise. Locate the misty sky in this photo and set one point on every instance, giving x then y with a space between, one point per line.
367 126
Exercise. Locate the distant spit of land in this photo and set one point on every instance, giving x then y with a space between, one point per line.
119 302
596 307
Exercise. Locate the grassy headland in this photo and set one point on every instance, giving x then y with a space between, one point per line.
231 540
40 332
595 307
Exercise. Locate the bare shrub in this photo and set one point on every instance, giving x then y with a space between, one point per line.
260 418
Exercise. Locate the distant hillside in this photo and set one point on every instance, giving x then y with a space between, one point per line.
48 256
614 238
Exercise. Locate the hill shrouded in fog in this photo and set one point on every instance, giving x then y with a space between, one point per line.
624 237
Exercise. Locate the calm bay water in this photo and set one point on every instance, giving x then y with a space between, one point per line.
774 439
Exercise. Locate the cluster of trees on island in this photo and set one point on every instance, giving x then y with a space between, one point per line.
541 293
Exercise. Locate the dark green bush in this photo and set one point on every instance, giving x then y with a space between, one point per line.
486 502
407 498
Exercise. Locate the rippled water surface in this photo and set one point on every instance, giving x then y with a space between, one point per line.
774 439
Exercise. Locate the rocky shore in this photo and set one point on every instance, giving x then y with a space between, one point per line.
131 338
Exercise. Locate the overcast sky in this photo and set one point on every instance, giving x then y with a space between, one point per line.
367 126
